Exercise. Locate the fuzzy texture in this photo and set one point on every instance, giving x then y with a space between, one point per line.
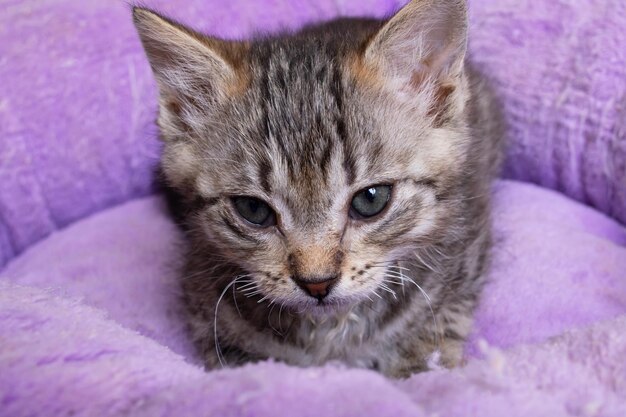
63 158
563 98
269 144
89 325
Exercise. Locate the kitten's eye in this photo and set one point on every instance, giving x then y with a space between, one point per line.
255 211
370 201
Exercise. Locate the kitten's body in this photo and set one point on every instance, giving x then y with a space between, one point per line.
305 121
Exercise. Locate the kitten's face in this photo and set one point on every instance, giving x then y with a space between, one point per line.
327 166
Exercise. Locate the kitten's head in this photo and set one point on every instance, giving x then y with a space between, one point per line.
319 159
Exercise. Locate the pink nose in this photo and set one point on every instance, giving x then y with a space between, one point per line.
317 288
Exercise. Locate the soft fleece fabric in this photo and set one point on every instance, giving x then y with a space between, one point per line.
89 317
558 266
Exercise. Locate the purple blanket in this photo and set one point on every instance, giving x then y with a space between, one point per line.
89 318
558 266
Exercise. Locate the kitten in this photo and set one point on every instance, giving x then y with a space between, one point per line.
334 186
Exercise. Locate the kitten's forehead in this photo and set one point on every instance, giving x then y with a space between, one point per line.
306 131
294 122
299 92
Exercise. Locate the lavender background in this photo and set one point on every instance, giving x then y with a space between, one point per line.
77 101
89 317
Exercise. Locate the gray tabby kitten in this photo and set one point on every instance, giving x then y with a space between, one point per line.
334 186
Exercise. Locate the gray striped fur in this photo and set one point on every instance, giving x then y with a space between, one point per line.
303 121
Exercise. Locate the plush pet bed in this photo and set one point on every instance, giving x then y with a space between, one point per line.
89 316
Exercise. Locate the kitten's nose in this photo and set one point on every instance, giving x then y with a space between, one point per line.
318 287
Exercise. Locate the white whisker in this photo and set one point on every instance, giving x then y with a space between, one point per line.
249 286
218 349
269 321
280 311
235 297
428 300
423 262
252 294
385 287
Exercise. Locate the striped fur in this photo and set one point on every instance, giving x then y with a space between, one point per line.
303 121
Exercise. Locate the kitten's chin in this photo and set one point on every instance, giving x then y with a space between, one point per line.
326 307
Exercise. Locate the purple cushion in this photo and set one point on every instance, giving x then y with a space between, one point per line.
78 100
90 321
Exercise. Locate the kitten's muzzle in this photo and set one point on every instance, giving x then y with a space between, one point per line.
318 287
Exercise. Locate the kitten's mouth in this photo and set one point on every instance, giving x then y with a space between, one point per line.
322 307
328 303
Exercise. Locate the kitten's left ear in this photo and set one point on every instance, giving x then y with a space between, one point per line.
425 39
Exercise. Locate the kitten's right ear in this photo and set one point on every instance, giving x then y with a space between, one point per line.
425 39
191 69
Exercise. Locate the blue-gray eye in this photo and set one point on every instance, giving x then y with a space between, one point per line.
255 211
370 201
